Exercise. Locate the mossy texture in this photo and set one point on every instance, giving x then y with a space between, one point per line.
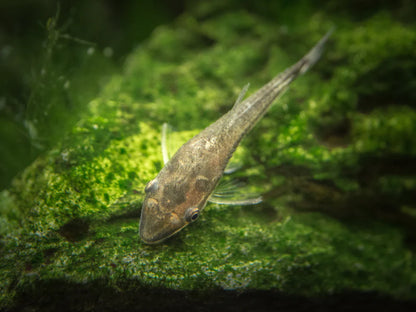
340 141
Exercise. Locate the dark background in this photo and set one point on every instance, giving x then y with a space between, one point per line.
47 77
44 44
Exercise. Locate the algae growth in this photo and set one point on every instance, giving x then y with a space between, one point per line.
330 144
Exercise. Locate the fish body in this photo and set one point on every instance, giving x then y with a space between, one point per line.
182 188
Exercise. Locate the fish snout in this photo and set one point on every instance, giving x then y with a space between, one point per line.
156 226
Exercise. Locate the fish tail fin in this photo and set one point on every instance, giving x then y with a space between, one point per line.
280 83
315 53
257 104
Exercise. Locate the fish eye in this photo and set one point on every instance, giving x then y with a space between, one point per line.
151 186
192 214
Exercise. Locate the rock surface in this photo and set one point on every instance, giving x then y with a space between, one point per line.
335 159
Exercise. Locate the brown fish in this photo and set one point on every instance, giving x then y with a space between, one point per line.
182 188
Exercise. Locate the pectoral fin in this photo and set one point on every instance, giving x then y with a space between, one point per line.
234 192
166 151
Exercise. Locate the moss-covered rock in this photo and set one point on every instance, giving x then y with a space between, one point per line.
336 142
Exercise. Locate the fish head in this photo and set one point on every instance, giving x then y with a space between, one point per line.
169 207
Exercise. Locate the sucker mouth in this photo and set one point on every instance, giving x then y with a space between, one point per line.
161 236
156 239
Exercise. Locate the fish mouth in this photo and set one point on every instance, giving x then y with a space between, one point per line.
157 238
152 232
152 239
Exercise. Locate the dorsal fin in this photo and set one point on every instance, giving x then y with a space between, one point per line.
241 95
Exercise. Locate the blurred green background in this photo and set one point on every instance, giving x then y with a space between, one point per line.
54 57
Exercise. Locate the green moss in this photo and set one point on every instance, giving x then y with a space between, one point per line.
72 216
9 214
386 131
